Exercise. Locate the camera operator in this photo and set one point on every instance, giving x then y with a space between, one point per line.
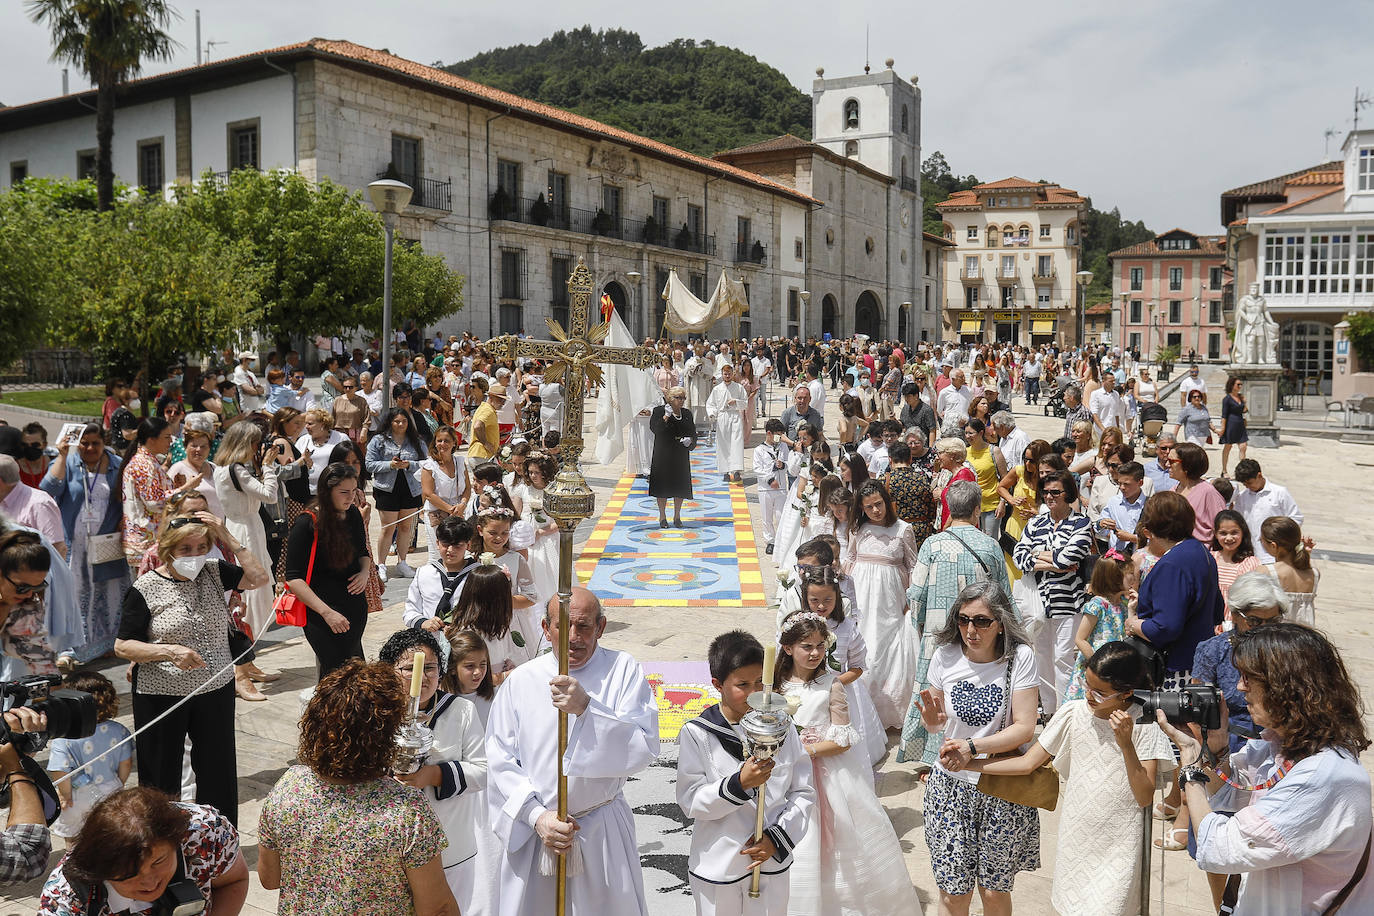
138 847
26 843
1302 842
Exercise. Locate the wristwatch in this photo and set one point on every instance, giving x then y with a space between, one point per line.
1192 773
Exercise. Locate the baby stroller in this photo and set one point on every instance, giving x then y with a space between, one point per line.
1152 418
1055 407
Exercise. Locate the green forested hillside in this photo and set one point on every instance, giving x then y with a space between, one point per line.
700 97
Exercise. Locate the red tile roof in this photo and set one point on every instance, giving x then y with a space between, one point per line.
1102 308
790 143
391 65
1054 195
785 142
1306 200
1210 246
937 239
1318 176
1274 186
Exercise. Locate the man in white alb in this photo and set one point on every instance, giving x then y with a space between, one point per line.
725 408
612 734
700 373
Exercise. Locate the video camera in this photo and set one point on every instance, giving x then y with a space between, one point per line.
71 713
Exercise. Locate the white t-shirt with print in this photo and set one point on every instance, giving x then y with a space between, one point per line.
975 693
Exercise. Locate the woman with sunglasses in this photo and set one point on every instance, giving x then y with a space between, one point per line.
1300 839
1113 763
982 698
24 565
351 411
1053 546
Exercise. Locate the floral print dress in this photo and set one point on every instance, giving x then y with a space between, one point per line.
345 848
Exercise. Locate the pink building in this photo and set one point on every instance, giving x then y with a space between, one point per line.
1169 290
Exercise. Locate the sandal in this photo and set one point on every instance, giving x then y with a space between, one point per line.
1171 843
1165 811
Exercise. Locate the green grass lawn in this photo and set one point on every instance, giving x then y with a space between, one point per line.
81 401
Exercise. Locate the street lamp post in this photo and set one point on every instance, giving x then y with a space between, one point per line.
805 297
389 197
1084 277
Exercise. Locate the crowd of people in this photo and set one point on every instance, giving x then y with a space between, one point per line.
985 601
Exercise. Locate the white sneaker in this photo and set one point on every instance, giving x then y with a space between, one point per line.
381 572
404 570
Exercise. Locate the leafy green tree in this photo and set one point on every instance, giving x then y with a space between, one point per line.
108 40
697 96
937 184
150 281
321 253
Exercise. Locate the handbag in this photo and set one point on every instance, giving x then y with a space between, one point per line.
104 548
1036 789
375 586
1004 538
289 608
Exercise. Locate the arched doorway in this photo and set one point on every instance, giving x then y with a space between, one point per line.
621 301
868 316
1305 348
828 308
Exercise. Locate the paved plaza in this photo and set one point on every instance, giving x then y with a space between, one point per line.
668 592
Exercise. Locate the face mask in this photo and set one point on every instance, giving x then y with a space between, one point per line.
33 452
190 567
135 405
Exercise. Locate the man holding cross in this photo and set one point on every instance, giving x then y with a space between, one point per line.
612 736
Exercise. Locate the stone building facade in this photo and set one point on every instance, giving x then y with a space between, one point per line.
511 192
1011 273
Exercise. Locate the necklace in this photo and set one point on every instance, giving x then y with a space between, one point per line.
1281 772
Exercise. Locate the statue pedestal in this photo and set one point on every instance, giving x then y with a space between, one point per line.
1260 384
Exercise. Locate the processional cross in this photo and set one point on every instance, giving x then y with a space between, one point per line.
574 356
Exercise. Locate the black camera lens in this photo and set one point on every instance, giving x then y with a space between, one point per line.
71 714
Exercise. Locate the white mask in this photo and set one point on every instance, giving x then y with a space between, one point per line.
135 405
189 567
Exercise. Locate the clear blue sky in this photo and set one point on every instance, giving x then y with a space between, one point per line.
1151 107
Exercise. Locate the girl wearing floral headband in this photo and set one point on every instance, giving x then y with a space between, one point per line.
855 863
495 515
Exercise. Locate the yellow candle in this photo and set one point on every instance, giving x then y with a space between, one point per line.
417 673
770 657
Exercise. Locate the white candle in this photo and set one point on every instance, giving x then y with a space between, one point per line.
417 673
770 658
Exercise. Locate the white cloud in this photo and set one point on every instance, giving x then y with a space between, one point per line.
1154 107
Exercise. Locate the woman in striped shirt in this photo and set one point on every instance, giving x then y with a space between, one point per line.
1053 546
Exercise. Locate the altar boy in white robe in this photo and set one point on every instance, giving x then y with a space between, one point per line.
612 734
718 787
725 408
770 468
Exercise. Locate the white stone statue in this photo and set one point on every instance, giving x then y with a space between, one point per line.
1257 334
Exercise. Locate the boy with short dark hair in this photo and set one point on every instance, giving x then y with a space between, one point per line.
718 786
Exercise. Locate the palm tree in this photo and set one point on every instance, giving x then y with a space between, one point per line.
108 40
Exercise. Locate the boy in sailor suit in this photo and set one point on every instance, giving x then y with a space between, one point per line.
718 786
770 467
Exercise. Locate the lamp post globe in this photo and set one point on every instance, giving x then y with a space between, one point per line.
389 197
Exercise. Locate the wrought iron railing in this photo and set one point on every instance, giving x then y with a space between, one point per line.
426 192
538 212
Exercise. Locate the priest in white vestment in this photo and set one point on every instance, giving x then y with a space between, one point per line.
725 408
639 445
612 734
700 374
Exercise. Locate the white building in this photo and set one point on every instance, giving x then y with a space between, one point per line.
1010 276
511 192
1308 239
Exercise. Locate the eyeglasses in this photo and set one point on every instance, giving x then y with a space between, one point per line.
182 522
1113 465
1256 621
1102 697
1164 448
1051 492
978 623
23 588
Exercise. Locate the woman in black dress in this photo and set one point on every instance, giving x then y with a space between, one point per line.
1233 422
670 473
327 566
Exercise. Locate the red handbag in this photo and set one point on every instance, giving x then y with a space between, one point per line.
290 609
